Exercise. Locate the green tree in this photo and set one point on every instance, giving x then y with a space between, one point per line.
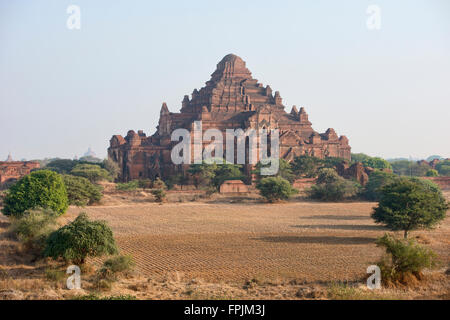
92 172
62 166
376 163
80 239
43 188
443 167
284 171
409 168
80 191
359 157
409 205
306 166
332 187
275 188
432 173
202 173
225 172
377 179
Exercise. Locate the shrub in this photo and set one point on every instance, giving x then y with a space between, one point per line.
376 163
377 179
62 166
42 188
81 191
403 257
432 173
331 187
159 194
80 239
284 171
275 188
207 174
159 184
128 186
408 204
114 266
145 183
306 166
34 227
92 172
112 168
443 167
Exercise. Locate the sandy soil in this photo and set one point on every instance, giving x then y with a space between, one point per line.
233 242
210 249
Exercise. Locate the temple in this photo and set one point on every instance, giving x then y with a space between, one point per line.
231 99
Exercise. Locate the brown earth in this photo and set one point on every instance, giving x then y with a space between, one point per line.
211 248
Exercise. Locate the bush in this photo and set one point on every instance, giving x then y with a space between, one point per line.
128 186
81 191
443 168
159 194
377 179
376 163
34 227
432 173
63 166
331 187
306 166
92 172
114 266
408 204
403 257
275 188
44 189
112 168
284 171
80 239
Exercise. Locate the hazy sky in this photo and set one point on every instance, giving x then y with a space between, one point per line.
63 90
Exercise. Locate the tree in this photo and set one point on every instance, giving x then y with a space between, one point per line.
80 191
284 171
409 205
62 166
202 173
332 187
112 168
306 166
410 168
92 172
359 157
443 167
432 173
376 163
43 188
207 174
80 239
275 188
377 179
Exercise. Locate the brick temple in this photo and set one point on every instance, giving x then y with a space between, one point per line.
11 170
231 99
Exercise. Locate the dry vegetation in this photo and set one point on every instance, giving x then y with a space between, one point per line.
214 249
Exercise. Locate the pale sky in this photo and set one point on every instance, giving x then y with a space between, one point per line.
62 91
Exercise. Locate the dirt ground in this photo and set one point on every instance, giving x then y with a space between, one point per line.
212 248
